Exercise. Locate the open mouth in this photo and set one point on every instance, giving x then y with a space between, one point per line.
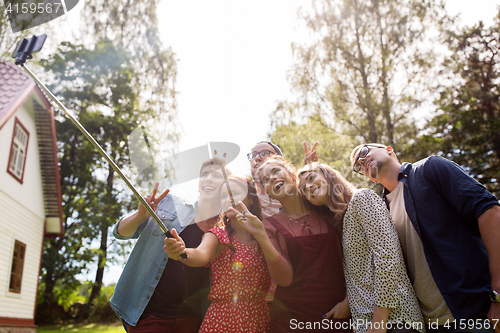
278 186
208 188
314 191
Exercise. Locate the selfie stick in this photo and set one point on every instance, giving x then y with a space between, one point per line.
27 55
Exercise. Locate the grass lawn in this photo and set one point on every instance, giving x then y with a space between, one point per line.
83 328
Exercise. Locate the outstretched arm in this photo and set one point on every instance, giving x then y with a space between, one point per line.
202 255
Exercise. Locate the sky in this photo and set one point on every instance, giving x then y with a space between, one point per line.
232 62
233 58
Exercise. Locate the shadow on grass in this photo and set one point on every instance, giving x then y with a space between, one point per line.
115 327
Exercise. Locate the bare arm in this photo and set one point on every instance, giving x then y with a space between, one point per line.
202 255
489 225
129 224
279 267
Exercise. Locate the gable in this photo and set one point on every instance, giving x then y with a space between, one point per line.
17 89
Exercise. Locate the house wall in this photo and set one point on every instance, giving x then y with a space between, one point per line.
22 218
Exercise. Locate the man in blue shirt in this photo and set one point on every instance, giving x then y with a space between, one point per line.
449 226
155 294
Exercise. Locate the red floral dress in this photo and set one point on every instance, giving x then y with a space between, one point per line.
239 286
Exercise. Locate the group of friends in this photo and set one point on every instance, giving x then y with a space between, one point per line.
304 249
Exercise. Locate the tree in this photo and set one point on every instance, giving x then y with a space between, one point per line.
467 127
133 25
120 77
366 63
96 85
333 148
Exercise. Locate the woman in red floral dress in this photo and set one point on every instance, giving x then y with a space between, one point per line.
240 278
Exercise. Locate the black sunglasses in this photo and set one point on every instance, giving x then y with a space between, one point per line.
362 154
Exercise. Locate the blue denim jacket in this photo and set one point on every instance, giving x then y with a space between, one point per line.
148 259
443 203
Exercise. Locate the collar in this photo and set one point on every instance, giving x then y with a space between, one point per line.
185 210
404 171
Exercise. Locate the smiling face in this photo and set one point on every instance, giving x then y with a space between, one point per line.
370 160
260 149
239 192
211 179
314 186
277 181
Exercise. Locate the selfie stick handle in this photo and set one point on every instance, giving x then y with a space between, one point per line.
103 153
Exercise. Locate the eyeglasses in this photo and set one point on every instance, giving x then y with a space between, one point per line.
362 154
262 154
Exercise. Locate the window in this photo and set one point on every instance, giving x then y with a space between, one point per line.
16 273
18 150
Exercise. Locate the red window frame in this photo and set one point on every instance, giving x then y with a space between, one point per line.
16 124
16 272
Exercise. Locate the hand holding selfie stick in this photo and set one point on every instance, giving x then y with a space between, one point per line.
23 52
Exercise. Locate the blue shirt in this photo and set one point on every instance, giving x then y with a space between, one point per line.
443 203
147 261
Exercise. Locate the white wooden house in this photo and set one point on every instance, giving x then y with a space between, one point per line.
30 194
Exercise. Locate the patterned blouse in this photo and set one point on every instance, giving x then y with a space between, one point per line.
374 267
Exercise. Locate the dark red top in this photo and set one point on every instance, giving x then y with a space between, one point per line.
318 280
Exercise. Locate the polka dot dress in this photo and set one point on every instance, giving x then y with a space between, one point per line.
239 286
374 267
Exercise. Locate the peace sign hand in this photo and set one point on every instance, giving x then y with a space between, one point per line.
310 156
249 222
152 201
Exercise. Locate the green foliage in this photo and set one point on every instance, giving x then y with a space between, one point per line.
132 25
333 148
95 84
71 304
119 78
467 128
83 328
365 65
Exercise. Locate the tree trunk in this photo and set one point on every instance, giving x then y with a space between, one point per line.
103 249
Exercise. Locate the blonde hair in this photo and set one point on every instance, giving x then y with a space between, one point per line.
340 192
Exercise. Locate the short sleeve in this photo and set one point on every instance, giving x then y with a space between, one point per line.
221 234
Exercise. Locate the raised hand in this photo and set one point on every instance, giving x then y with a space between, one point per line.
310 156
174 246
248 221
152 201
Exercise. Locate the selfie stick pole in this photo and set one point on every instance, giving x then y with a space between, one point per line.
103 153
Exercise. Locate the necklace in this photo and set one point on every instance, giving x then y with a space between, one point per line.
303 221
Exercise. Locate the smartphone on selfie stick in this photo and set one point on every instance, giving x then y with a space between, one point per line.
23 52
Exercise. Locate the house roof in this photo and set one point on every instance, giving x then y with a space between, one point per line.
16 87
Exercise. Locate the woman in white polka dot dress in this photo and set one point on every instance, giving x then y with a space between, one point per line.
240 277
378 286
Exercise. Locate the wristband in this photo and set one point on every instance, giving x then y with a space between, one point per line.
494 296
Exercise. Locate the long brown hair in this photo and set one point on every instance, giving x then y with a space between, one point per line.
340 192
254 207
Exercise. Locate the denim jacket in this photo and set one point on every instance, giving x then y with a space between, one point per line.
148 259
443 203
